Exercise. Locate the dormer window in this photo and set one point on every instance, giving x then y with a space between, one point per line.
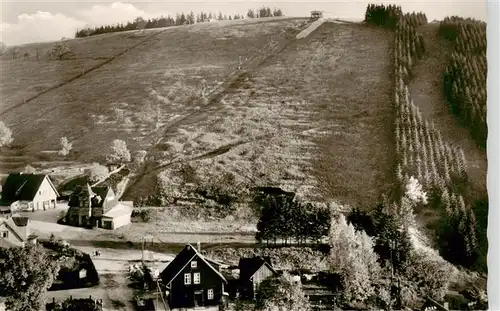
194 264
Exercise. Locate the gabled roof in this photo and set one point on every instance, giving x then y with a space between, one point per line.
21 232
181 261
88 192
23 187
248 266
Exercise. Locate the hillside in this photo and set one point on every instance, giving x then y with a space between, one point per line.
134 75
298 118
160 74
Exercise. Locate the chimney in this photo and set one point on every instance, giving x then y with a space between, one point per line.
198 246
446 306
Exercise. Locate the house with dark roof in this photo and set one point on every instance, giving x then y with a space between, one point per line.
253 271
28 192
97 207
15 232
192 280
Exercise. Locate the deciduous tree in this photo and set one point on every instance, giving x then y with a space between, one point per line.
353 258
25 275
280 294
119 152
66 146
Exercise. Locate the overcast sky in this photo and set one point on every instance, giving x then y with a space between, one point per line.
35 21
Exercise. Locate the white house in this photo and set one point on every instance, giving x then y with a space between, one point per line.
15 232
28 192
118 216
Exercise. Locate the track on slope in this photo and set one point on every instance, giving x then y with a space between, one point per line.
211 103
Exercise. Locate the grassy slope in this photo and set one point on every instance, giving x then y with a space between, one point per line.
166 64
313 117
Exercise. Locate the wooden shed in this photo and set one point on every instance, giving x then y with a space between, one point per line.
316 14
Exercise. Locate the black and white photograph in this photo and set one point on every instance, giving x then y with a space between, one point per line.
244 156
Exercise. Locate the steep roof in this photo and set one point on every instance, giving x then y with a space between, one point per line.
86 192
23 187
248 266
187 254
22 232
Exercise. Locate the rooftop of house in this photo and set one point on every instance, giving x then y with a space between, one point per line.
248 266
22 187
84 193
118 210
187 254
19 225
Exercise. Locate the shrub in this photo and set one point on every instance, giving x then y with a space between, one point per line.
143 214
5 135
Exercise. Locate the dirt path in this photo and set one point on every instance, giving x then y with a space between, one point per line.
427 93
208 107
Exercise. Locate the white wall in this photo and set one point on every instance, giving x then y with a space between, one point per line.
45 193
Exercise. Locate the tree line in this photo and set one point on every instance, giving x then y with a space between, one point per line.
180 19
283 218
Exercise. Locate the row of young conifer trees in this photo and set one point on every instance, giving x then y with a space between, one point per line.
465 76
421 151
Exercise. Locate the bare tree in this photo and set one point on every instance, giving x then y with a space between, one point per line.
3 48
15 52
97 172
203 86
5 135
140 156
119 152
66 146
28 169
60 51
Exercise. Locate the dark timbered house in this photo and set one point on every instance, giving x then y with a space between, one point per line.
192 280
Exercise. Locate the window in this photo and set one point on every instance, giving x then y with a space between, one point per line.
194 264
196 278
210 294
5 234
187 278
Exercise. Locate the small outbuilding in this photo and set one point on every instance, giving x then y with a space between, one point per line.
316 14
117 217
